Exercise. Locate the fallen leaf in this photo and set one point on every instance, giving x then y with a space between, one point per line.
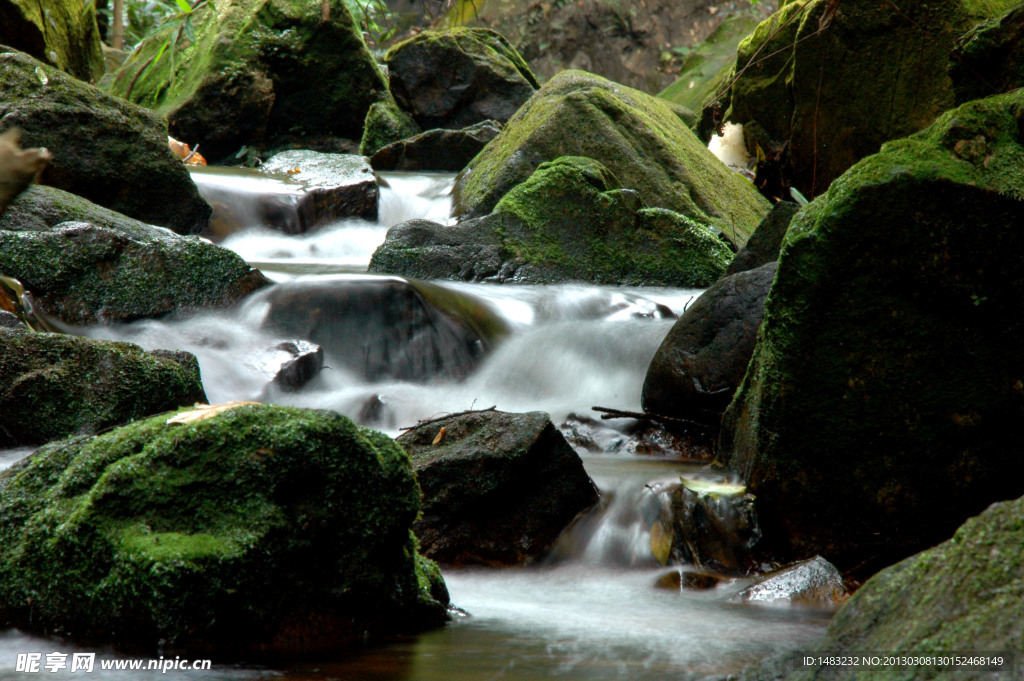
440 436
661 542
201 412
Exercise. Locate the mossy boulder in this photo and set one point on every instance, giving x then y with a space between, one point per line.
53 386
451 79
260 72
637 137
385 124
105 149
570 221
989 58
837 81
86 264
62 33
259 531
498 488
882 403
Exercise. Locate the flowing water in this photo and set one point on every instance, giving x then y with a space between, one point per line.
590 610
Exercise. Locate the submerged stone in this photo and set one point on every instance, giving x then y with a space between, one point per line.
456 78
260 72
882 403
256 531
85 264
498 488
53 386
335 186
637 137
62 33
109 151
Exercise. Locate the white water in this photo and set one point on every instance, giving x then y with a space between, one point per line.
592 610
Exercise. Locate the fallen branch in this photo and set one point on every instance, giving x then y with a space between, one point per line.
425 422
609 413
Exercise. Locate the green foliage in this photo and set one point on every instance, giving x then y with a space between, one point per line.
375 20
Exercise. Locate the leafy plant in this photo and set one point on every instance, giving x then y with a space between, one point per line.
374 18
173 27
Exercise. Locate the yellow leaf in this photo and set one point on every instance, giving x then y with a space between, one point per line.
440 436
205 411
661 542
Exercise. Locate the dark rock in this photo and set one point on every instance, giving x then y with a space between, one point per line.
703 358
570 221
882 403
989 58
62 33
335 186
307 360
85 264
638 138
259 73
766 241
498 488
384 327
257 531
243 197
821 90
9 320
445 150
813 582
52 385
105 149
456 78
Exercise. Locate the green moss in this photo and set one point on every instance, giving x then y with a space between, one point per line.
62 33
262 529
637 137
386 124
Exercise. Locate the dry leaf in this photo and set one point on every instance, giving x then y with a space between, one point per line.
661 542
205 411
293 171
440 436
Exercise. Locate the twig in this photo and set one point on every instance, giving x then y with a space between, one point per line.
449 416
609 413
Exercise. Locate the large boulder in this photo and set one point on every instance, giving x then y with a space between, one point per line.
456 78
253 530
836 80
570 221
766 241
52 385
498 488
639 138
703 358
259 72
444 150
86 264
62 33
882 403
385 327
989 58
105 149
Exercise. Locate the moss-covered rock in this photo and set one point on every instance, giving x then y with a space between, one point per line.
52 385
456 78
639 138
260 72
989 58
105 149
86 264
569 221
498 488
881 405
385 124
262 530
62 33
838 80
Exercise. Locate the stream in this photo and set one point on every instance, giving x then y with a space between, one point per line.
591 610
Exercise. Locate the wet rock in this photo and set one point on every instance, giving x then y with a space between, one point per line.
814 581
85 264
61 33
9 320
766 241
386 124
259 531
445 150
569 221
989 58
123 162
819 89
456 78
386 328
703 358
336 186
679 580
712 526
638 138
259 73
498 488
52 385
884 392
306 362
244 197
